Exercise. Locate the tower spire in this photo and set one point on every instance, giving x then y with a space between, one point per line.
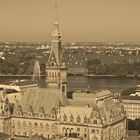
56 12
56 70
56 48
56 24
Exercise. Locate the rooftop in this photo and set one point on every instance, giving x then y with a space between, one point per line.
39 99
3 136
132 93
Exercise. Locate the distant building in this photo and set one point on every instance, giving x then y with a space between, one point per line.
131 101
47 113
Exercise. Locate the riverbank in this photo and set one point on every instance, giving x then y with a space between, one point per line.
115 85
113 76
86 75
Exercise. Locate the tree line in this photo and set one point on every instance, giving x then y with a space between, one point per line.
95 66
19 61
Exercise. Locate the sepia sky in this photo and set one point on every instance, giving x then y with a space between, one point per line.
80 20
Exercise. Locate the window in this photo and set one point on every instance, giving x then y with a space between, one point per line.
52 64
63 88
18 125
78 129
97 131
47 127
85 119
41 127
95 121
35 125
24 125
24 133
54 128
93 131
30 125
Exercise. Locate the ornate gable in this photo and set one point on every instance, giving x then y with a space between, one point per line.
52 59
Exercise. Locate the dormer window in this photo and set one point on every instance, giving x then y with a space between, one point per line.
30 111
85 119
71 118
53 113
78 119
30 114
19 113
52 64
41 115
65 118
41 112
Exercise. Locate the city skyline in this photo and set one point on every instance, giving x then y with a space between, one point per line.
92 20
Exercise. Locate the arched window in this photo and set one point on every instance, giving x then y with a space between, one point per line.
35 126
64 131
85 119
18 125
41 127
63 88
47 127
54 128
52 64
24 125
30 125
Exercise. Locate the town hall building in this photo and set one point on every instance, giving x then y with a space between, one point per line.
47 113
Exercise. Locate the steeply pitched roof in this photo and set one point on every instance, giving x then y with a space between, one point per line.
3 136
37 98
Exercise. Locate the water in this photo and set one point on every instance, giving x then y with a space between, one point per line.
81 82
112 84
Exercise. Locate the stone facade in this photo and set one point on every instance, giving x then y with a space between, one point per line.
131 100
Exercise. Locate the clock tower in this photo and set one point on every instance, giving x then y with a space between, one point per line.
55 69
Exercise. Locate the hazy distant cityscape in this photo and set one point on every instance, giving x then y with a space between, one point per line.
18 53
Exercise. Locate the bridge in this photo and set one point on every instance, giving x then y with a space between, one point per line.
77 71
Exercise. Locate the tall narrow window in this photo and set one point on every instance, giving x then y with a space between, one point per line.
63 88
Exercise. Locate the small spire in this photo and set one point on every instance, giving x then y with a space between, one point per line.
56 14
56 24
